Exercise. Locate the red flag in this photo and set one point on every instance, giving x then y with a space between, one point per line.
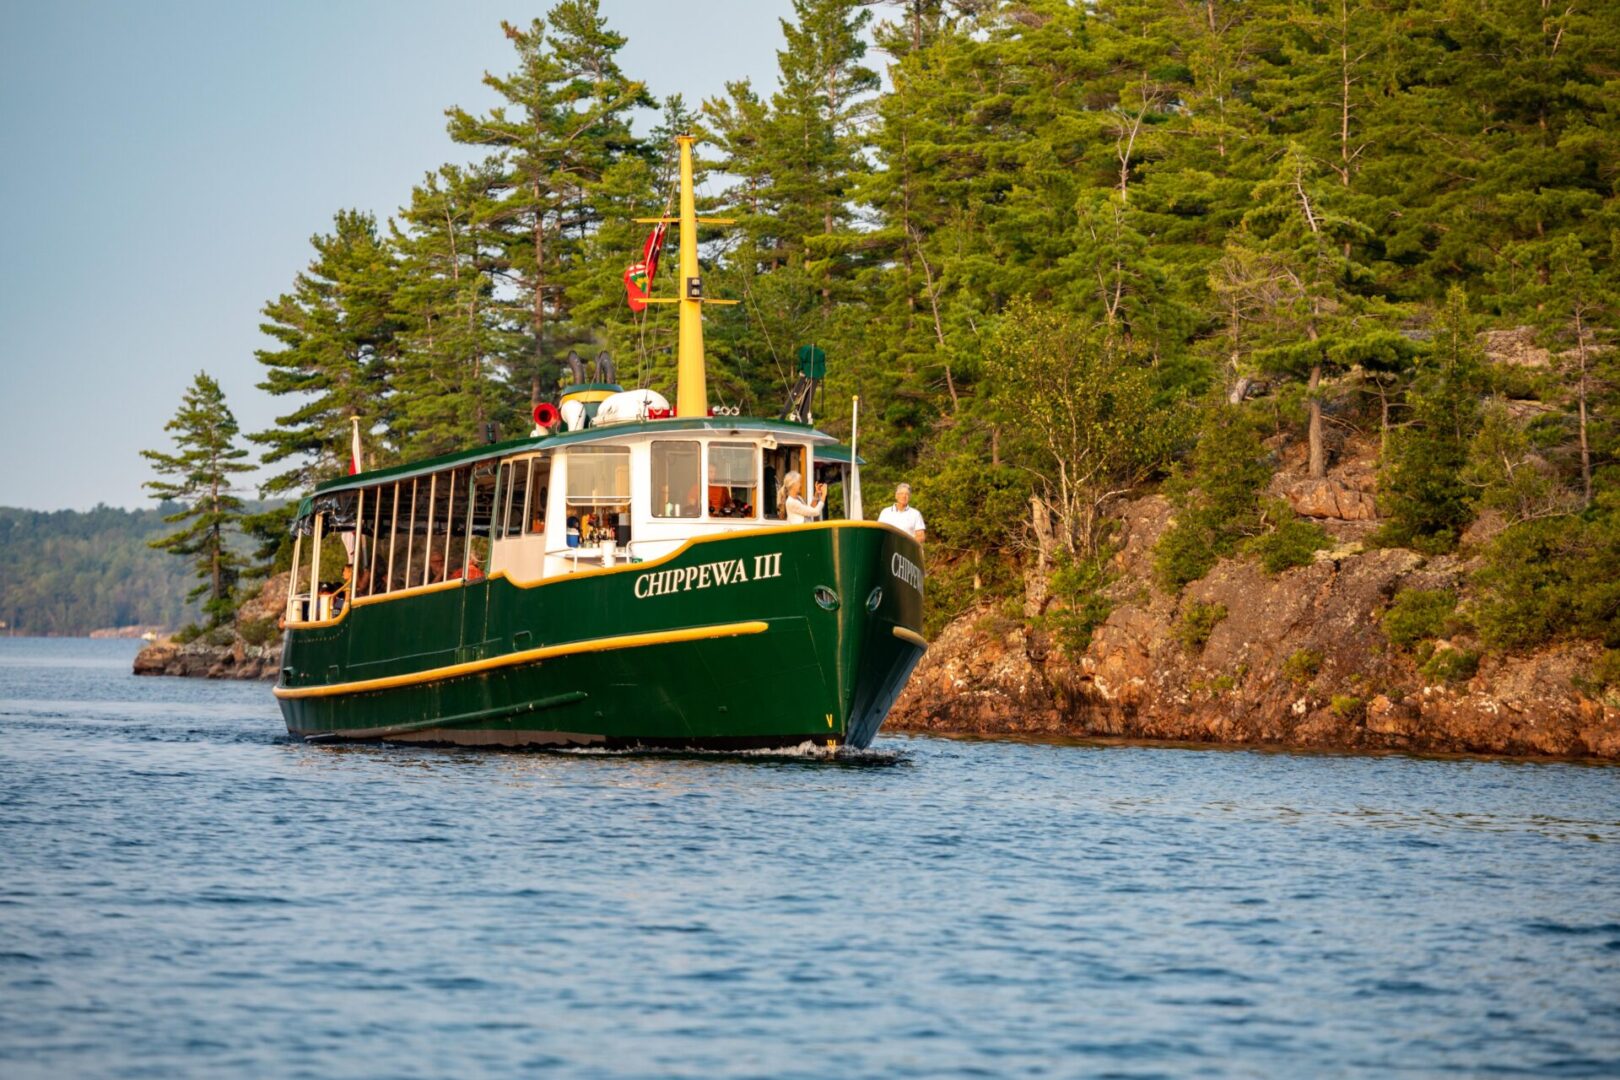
638 275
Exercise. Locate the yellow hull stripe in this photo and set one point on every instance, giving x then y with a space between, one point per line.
622 568
527 656
911 636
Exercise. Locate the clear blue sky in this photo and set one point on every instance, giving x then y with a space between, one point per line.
163 166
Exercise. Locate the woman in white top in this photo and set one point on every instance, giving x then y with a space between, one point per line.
799 511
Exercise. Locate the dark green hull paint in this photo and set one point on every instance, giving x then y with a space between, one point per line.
814 675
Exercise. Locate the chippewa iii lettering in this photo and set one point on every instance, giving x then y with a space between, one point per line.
707 575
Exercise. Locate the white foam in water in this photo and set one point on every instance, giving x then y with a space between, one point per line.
805 751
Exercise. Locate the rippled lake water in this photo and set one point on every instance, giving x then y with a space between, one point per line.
183 890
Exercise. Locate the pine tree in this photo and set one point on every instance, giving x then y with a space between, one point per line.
1422 491
453 343
1574 302
337 331
564 125
198 477
1286 276
814 135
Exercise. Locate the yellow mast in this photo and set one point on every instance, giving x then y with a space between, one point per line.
691 385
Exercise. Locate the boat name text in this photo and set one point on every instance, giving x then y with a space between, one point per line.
906 570
706 575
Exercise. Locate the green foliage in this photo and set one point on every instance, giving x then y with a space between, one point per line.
1348 707
258 631
1418 615
198 476
1079 604
1290 541
1422 492
1302 666
188 633
1508 472
1605 674
1450 665
1078 413
1043 230
335 352
1198 620
1552 579
1215 495
86 570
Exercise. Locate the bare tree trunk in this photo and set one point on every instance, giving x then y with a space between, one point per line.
1035 583
1580 398
1318 452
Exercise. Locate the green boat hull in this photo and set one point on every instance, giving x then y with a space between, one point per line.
762 639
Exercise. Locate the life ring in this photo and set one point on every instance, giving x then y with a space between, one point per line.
546 415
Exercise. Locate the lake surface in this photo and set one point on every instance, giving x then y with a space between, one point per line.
183 890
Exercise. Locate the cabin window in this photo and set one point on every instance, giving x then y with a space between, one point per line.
539 492
480 514
517 496
789 457
733 479
598 494
676 491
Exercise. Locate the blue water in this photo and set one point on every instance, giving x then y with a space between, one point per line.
183 890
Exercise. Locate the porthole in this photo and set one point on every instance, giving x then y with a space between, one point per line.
826 598
876 598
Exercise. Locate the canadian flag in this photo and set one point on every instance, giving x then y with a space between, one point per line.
354 453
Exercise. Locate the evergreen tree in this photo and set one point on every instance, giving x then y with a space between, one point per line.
337 331
1573 301
453 339
1422 492
814 135
198 477
564 125
1285 274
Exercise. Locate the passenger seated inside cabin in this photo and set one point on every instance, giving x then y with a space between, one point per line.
719 495
435 567
692 505
472 571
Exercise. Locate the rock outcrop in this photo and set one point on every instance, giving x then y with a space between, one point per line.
1298 659
248 649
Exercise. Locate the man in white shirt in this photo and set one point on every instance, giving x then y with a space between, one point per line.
902 515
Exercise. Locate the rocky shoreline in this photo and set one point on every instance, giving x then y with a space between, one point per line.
1297 660
250 648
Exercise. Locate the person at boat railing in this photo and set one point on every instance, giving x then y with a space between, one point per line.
799 511
340 596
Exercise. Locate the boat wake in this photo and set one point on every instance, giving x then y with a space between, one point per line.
805 753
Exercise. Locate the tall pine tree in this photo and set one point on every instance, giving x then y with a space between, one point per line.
198 476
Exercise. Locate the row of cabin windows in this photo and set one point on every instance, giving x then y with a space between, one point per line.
438 527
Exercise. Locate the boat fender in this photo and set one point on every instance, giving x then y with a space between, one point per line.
573 414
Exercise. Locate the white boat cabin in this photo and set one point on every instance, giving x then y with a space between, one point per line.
557 505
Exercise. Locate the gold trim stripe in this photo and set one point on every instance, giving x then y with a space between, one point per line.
911 636
622 568
527 656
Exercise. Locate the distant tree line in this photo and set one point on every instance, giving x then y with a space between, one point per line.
69 572
1063 251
